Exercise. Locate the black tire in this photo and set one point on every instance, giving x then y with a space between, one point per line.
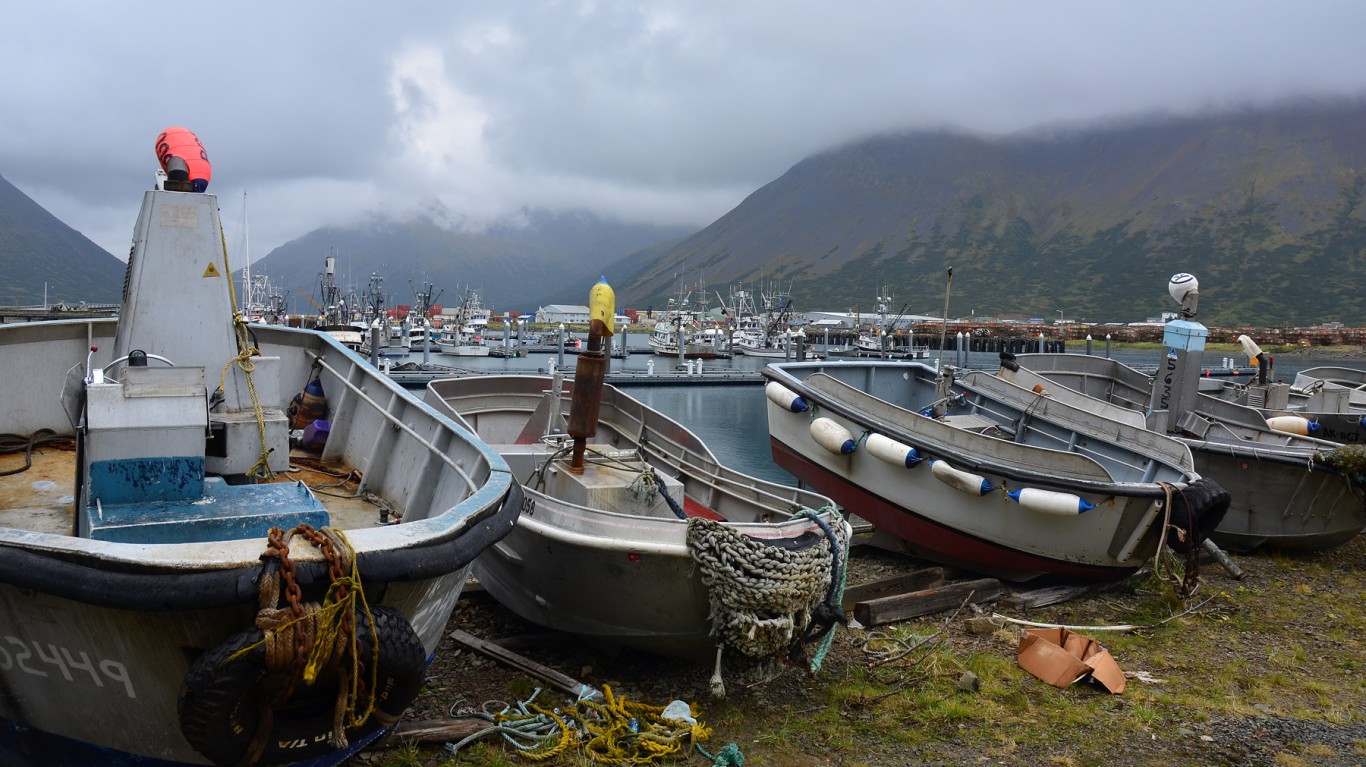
218 710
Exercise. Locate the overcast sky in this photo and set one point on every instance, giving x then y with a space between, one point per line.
669 112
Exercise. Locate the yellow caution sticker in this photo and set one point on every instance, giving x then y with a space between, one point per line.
212 271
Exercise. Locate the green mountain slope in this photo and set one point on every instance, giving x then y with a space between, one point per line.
1263 206
37 250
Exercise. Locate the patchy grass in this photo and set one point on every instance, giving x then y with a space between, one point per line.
1264 671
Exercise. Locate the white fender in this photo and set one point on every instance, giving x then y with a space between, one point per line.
891 451
832 436
784 397
1050 501
1294 424
967 482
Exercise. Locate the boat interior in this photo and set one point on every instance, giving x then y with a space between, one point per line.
523 419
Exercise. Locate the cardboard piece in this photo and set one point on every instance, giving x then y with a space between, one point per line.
1061 658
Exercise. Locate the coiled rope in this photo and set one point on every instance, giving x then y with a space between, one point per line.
612 731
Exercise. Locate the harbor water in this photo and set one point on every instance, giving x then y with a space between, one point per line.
732 419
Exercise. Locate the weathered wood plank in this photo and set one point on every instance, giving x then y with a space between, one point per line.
433 731
876 612
554 678
915 580
1049 595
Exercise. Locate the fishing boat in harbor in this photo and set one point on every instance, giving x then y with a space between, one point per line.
463 334
971 470
881 340
683 324
198 565
634 532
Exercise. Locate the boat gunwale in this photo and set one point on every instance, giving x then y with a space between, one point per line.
779 374
405 551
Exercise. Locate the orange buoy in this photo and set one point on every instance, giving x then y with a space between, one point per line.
180 142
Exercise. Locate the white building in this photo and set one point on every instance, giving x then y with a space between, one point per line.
569 314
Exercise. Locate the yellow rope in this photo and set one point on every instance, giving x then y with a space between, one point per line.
243 360
614 731
328 623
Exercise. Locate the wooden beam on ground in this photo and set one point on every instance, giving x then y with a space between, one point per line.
1048 595
876 612
554 678
434 731
915 580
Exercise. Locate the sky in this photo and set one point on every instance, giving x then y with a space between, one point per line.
327 114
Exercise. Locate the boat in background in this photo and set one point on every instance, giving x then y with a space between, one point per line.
684 323
1323 402
971 470
882 340
164 518
634 533
462 335
1284 490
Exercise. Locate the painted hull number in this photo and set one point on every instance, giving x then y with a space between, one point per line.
49 660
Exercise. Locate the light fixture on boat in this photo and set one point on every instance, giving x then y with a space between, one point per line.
182 144
1186 290
1050 501
966 481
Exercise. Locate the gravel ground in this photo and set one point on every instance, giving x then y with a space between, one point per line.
462 679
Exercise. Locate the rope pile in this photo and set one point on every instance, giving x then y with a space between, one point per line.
612 731
763 598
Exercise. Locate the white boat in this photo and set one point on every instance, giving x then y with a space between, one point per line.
463 335
1285 491
1325 402
626 509
881 340
144 572
973 471
683 323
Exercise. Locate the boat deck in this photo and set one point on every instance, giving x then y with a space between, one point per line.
41 499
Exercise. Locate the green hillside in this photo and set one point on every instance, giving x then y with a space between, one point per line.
1265 207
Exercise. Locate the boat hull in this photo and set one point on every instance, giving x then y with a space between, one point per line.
959 513
1282 493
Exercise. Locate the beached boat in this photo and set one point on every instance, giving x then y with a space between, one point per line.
1285 491
1322 402
182 549
971 470
627 516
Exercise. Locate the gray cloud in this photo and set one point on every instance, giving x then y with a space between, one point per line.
326 112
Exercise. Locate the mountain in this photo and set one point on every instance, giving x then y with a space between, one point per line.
1264 206
37 250
537 258
1083 222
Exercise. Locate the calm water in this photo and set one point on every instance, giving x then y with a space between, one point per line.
732 419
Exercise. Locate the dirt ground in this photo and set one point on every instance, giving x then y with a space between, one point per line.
1266 671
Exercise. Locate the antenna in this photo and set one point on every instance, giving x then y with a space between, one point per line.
944 325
